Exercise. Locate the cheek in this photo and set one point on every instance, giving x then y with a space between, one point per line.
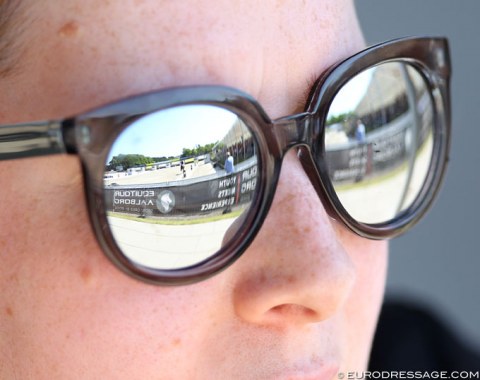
370 259
46 207
65 304
117 329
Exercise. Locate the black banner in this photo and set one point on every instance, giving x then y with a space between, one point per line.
383 151
184 197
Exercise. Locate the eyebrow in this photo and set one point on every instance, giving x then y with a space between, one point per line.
10 31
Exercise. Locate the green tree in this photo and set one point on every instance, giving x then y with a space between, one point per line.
198 150
129 161
341 118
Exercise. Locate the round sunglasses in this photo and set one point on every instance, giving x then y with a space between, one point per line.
179 181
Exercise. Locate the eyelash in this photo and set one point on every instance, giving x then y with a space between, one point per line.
309 85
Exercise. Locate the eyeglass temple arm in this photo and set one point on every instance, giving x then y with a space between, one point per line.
31 139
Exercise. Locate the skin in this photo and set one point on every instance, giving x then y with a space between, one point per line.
299 304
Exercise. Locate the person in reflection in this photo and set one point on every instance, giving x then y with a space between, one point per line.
229 164
360 138
302 301
229 170
360 134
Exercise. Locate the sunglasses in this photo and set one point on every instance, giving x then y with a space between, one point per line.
179 181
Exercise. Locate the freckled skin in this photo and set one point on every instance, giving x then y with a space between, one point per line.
69 29
305 294
9 311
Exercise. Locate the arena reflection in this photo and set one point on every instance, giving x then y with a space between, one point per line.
379 141
176 181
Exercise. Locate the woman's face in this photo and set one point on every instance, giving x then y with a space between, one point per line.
302 301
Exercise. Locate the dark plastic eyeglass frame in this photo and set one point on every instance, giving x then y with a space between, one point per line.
92 134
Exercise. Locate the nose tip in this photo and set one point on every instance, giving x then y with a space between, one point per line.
301 272
282 300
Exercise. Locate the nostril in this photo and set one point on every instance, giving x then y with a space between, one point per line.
290 310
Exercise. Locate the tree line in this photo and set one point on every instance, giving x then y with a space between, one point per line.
197 151
126 161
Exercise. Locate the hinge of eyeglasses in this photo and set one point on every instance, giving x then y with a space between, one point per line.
31 139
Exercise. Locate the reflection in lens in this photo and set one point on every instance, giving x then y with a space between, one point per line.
176 181
379 141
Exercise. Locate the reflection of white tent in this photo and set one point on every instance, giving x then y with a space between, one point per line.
238 133
386 86
389 83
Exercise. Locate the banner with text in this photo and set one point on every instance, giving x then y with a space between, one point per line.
192 197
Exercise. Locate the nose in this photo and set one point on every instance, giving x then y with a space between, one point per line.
296 271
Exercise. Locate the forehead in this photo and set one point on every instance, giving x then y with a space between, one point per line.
108 49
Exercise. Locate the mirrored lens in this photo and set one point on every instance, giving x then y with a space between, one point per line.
178 183
379 141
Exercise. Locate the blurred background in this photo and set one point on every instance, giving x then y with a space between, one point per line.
437 264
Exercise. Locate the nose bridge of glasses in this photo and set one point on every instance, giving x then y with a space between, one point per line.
298 131
31 139
292 131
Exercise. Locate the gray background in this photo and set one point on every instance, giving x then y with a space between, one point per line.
437 263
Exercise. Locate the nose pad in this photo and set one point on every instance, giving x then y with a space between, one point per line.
313 175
